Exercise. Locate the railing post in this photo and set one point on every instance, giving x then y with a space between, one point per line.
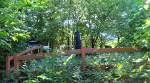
7 67
16 65
83 54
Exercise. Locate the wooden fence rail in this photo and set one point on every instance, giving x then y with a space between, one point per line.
28 55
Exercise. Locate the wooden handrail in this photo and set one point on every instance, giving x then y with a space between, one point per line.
30 57
105 50
109 50
75 51
29 50
84 51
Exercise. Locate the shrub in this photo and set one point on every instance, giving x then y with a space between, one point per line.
116 68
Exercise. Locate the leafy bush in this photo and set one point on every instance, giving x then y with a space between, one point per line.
53 69
105 68
10 44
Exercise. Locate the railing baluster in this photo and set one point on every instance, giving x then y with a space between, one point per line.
83 53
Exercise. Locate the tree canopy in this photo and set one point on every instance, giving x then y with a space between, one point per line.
119 23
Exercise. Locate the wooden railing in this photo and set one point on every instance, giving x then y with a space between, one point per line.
18 58
28 55
84 51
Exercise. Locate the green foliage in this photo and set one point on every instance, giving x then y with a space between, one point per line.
126 22
48 20
53 69
113 67
12 29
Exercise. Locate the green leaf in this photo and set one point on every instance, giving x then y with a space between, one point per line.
43 77
3 34
119 66
14 38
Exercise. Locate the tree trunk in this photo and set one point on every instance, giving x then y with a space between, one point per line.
92 42
101 42
118 39
68 43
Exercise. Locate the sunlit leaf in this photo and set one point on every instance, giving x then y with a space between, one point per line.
148 22
43 77
119 66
